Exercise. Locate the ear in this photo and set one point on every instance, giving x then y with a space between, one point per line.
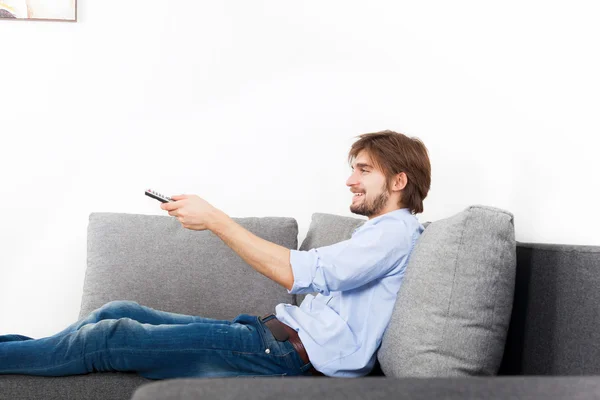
400 181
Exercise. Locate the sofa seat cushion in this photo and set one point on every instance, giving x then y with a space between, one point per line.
454 305
297 388
97 385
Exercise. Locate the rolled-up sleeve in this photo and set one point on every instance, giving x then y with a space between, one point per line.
371 253
303 267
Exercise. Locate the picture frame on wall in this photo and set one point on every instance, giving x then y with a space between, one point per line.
45 10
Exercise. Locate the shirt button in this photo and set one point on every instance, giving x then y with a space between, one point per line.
267 351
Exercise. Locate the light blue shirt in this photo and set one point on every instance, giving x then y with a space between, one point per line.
356 282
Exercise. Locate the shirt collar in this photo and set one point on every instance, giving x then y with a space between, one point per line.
400 213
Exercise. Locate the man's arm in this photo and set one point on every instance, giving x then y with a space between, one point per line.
270 259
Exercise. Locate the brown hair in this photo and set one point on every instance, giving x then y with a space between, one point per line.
392 153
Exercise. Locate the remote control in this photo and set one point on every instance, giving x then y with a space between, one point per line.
155 195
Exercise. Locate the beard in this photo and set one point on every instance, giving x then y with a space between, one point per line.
367 208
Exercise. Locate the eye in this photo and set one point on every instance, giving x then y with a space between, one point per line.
364 170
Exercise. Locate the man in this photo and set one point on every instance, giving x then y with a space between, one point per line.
336 332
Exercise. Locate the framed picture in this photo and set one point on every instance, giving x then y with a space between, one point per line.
49 10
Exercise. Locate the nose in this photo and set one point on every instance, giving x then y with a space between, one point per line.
352 180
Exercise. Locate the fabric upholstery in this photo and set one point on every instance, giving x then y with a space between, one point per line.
99 385
555 323
372 388
156 262
453 308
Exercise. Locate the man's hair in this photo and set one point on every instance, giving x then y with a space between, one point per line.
392 153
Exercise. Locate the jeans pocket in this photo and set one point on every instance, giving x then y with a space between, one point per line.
293 359
266 335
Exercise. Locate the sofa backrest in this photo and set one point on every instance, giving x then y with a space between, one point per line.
555 322
156 262
554 327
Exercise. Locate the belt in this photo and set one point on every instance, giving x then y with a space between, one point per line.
282 332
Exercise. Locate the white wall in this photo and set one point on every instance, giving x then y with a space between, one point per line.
254 106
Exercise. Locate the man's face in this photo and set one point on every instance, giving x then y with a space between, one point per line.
370 183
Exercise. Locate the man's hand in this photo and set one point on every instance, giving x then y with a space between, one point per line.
192 211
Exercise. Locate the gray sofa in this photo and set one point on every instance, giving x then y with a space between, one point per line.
478 315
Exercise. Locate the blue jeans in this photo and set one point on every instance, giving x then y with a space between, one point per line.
128 337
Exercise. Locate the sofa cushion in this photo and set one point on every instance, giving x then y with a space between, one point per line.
153 260
300 388
327 229
453 308
94 386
